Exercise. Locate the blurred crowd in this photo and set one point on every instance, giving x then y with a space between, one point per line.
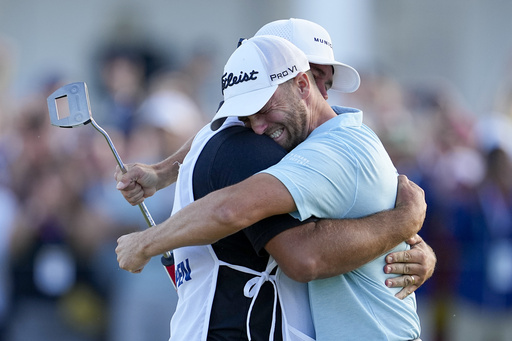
61 215
463 161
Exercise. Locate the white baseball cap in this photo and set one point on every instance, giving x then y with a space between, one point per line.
316 43
253 73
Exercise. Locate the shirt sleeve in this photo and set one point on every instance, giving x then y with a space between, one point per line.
321 176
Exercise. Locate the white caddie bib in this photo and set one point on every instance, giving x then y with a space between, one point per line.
197 269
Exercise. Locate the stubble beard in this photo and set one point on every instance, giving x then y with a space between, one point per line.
296 125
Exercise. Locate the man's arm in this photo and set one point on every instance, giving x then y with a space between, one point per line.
219 214
233 208
142 181
331 247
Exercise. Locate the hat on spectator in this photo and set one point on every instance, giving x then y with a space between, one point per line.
316 43
253 73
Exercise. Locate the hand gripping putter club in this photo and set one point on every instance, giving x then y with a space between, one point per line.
69 107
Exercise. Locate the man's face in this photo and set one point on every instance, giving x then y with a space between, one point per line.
284 119
323 77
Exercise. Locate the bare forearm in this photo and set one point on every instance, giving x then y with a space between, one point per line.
168 169
222 213
349 244
204 221
331 247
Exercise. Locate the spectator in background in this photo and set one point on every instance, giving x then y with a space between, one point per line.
8 211
447 164
166 119
124 74
428 130
385 105
9 208
163 119
170 108
199 69
56 239
482 227
66 219
55 295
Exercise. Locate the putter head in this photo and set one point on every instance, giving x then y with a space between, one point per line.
69 106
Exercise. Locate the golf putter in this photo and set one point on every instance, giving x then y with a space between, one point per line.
69 107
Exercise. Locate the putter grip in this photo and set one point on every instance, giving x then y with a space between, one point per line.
168 263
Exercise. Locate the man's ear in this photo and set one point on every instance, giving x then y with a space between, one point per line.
303 84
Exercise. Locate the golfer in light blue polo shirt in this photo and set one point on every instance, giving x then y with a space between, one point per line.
345 172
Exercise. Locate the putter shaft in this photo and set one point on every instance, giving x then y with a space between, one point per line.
142 206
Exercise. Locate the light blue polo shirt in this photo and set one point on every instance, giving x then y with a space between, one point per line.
343 171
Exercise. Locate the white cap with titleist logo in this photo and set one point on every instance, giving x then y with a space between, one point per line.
253 73
316 43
